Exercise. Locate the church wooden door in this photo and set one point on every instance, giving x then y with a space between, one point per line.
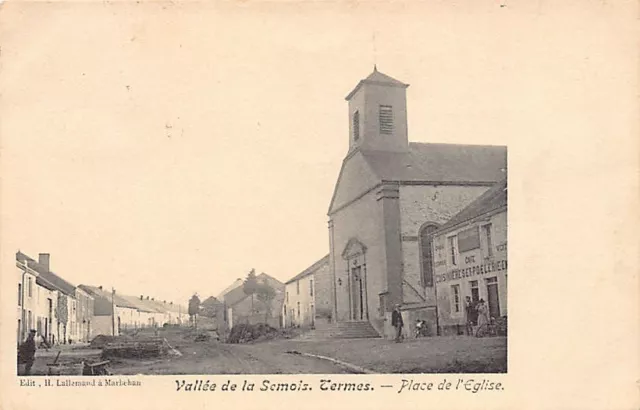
357 294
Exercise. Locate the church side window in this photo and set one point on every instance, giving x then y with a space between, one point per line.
385 117
356 126
426 239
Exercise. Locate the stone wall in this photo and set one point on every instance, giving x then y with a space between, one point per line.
420 204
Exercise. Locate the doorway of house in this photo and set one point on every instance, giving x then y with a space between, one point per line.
493 298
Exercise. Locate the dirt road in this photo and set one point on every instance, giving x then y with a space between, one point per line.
220 358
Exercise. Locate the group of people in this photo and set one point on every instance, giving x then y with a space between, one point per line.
477 317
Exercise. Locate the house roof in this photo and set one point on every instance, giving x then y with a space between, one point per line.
211 300
376 77
140 304
440 163
46 278
234 296
237 295
235 284
118 300
493 199
311 269
274 281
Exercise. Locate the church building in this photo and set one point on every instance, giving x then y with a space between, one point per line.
390 197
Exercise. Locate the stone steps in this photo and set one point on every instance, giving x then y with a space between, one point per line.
342 330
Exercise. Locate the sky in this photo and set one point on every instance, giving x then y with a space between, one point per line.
168 148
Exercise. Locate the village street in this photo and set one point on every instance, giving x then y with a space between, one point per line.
282 356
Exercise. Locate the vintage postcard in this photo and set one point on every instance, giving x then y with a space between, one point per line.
256 204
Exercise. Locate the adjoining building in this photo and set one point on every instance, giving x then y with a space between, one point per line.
307 300
244 308
390 196
27 301
112 312
55 308
470 260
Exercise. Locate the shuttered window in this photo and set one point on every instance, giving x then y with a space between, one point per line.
385 117
356 126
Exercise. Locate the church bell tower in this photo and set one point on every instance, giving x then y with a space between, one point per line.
378 114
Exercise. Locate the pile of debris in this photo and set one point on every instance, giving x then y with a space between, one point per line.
244 333
139 349
101 341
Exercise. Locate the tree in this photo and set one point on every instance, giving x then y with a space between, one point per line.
266 294
194 308
250 286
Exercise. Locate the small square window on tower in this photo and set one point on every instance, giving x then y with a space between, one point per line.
385 117
356 126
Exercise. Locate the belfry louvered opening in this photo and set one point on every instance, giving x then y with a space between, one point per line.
385 117
356 126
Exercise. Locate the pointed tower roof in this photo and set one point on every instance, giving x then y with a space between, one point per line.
376 77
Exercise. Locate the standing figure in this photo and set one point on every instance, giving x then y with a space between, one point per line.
396 321
472 315
483 317
27 352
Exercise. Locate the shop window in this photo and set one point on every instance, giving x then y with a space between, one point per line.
453 253
455 299
426 240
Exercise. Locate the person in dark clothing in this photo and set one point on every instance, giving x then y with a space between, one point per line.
396 321
27 352
472 315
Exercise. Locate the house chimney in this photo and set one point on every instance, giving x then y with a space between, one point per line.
141 297
147 297
100 287
43 259
153 298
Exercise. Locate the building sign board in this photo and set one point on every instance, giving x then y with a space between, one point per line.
482 269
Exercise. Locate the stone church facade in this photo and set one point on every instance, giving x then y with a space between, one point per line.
390 196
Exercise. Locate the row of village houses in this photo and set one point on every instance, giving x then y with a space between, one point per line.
61 312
